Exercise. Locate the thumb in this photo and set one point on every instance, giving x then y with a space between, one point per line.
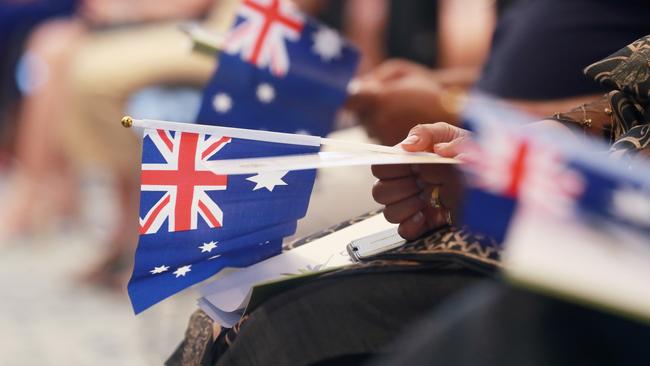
423 137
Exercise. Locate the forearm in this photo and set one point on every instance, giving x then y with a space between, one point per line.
458 77
152 10
465 29
365 25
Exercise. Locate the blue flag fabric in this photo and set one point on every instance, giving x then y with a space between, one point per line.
511 169
279 71
194 222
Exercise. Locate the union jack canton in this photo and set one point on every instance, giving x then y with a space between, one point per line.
185 181
261 35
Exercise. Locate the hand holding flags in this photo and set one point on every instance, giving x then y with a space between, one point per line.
195 219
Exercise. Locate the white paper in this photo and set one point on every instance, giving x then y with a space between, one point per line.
231 293
322 160
605 266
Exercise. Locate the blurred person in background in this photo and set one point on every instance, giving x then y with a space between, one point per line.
405 87
538 51
17 19
81 71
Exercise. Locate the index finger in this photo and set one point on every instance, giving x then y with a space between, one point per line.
391 171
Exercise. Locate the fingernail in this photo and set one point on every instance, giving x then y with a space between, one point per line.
411 140
417 218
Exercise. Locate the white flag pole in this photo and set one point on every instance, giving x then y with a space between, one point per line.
268 136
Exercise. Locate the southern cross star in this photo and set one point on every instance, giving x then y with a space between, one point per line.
265 93
268 180
222 103
327 44
160 269
207 247
182 271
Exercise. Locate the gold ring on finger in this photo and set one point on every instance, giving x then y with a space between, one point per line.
435 197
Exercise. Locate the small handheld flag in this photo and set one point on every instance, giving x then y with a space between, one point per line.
194 222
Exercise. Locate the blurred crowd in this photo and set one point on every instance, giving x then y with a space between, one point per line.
69 69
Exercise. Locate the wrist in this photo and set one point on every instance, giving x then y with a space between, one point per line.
595 118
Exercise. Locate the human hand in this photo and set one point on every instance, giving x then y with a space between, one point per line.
394 97
111 12
422 197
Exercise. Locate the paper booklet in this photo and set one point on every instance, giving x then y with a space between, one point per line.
226 299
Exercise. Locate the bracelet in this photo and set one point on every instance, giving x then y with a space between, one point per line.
588 117
585 122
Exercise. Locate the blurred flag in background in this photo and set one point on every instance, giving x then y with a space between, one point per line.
574 222
280 71
512 169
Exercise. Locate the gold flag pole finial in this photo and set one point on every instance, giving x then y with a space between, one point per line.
127 121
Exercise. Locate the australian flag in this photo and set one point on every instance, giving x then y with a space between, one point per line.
279 71
511 169
194 222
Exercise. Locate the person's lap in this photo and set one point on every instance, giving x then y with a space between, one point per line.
340 319
494 324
